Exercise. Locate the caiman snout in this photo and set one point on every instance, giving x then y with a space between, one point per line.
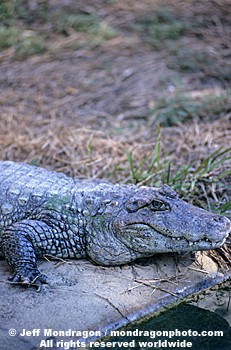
218 229
224 222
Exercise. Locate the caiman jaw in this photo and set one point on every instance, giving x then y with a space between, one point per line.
157 240
213 243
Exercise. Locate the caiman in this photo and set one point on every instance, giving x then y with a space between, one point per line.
47 213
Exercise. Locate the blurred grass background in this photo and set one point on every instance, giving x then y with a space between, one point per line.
128 91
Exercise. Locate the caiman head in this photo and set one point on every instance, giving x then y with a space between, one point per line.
156 220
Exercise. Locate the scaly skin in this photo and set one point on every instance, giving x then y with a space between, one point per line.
43 212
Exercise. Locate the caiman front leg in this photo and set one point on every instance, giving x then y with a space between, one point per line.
20 246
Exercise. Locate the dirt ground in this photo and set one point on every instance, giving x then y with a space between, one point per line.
89 100
80 110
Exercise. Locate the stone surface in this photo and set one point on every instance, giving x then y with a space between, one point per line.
83 297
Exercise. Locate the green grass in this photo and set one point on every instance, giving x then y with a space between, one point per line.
150 167
13 32
190 60
205 184
169 111
159 26
12 10
8 37
186 59
79 22
29 45
164 28
97 30
215 105
181 107
24 43
17 18
7 11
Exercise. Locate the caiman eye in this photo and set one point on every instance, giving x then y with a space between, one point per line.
159 206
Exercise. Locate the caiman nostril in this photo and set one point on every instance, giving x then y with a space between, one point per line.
219 218
222 220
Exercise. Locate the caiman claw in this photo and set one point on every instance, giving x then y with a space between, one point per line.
29 277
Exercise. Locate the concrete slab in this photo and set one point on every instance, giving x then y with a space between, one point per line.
84 301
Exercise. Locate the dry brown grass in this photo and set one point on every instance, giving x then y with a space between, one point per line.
88 152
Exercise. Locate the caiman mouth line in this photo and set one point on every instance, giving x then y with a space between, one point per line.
147 227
